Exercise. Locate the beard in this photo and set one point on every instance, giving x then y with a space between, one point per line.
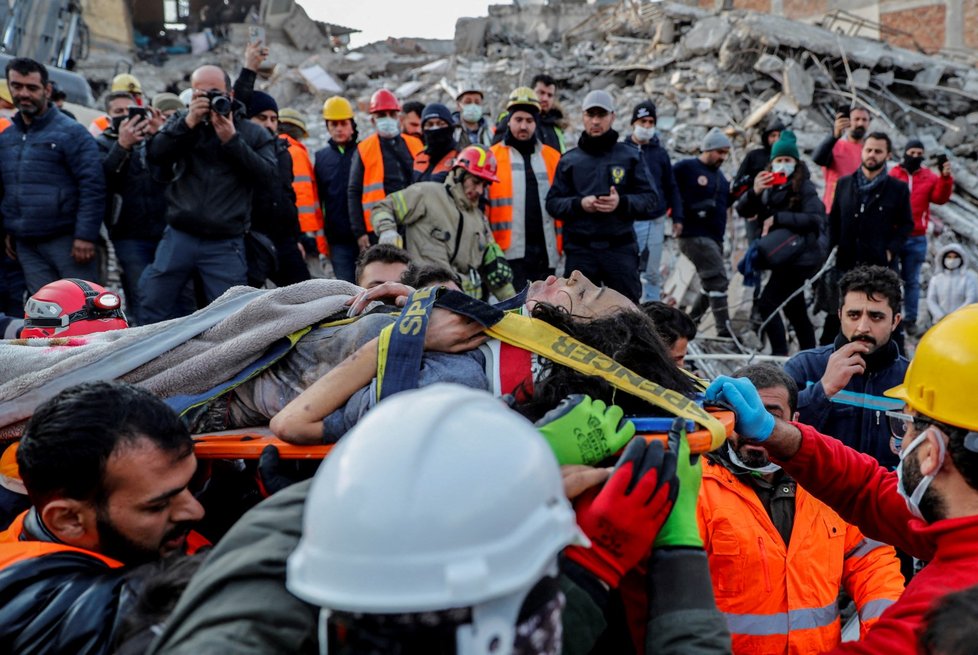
874 167
754 458
116 545
931 505
857 132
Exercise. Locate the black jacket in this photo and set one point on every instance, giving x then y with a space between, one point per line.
398 174
802 212
706 196
211 192
581 173
333 178
660 169
136 204
273 207
864 233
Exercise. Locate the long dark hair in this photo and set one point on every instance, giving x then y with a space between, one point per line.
629 337
798 179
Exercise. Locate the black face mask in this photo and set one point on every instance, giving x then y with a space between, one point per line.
911 164
439 139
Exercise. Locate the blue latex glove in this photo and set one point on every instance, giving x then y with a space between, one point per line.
754 422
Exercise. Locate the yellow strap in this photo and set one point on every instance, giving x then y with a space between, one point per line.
383 345
549 342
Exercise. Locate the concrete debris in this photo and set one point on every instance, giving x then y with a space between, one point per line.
735 70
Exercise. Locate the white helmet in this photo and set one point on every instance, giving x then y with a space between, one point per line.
186 96
440 498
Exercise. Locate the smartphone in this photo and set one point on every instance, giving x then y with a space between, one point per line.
939 160
843 111
256 34
602 190
138 112
778 179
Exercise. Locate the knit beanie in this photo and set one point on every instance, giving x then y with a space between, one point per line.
715 139
786 146
436 110
261 101
913 143
644 109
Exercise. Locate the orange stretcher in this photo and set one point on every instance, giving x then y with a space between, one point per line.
700 441
238 444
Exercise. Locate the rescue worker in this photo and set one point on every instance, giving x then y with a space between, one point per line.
776 552
333 165
927 506
382 164
121 83
107 466
292 128
444 226
530 237
471 126
440 148
598 190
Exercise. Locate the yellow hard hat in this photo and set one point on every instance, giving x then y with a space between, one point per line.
292 117
5 92
944 371
523 95
126 82
337 109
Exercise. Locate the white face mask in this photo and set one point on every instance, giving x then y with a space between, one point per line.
388 127
471 113
644 134
952 263
770 467
783 167
914 497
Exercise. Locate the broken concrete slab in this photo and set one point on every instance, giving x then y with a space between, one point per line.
798 84
860 78
707 35
769 64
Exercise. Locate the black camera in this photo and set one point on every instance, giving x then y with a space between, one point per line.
220 103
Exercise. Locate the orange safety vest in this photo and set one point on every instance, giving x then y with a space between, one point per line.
500 209
306 193
4 123
373 170
13 550
784 600
99 125
444 165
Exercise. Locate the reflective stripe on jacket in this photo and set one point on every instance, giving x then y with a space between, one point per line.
784 600
373 171
99 125
306 193
509 224
13 550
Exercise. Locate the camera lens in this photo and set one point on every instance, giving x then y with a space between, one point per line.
221 105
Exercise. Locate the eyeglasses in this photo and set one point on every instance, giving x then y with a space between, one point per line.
900 423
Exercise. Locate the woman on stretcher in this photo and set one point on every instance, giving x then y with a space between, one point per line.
457 350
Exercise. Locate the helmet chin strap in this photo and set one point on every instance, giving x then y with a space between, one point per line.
770 467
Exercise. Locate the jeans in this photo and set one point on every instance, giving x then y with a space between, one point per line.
291 266
344 259
651 236
912 257
50 259
134 256
219 264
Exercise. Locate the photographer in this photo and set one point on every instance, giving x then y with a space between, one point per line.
217 158
784 197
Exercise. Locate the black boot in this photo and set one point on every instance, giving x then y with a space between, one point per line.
718 304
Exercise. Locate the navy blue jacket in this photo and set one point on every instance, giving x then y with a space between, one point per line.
332 177
706 196
52 178
580 173
856 415
660 169
136 205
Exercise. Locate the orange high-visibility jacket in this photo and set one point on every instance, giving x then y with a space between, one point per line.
13 550
444 165
99 125
4 123
507 201
373 170
784 600
306 193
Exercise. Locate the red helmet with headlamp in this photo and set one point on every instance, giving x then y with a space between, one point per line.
72 307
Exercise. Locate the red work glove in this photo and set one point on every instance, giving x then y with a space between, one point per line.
624 517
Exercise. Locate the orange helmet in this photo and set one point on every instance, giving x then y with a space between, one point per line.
384 100
72 307
478 161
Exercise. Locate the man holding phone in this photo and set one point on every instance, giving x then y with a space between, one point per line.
842 156
598 190
926 187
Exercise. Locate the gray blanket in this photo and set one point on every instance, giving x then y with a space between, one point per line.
182 356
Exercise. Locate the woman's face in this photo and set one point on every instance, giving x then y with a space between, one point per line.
578 295
783 159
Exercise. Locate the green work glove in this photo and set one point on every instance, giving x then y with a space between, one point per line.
585 431
681 528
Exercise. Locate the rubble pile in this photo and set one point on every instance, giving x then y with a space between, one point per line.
733 69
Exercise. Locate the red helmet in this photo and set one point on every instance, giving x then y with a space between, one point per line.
72 307
384 100
478 161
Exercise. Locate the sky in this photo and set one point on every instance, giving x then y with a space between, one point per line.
378 19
